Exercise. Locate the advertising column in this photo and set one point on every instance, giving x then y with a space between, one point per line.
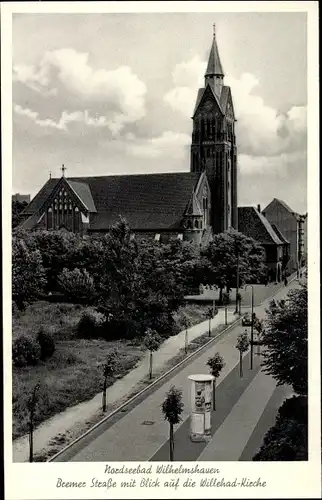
201 405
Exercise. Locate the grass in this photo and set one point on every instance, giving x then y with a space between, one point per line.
73 374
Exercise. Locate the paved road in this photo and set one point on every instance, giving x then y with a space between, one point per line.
261 293
246 408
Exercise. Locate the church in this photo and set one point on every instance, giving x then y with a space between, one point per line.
190 205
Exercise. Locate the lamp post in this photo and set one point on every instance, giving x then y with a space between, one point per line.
237 283
251 327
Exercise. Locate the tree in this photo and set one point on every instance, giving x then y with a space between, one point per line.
152 341
172 407
287 440
16 208
56 249
28 275
143 283
216 364
186 322
285 340
108 371
231 253
242 346
210 315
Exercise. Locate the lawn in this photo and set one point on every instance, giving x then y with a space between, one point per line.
74 373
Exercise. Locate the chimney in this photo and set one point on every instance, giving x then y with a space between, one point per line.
259 208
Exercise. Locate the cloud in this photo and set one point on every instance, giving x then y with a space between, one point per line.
261 130
169 144
66 118
119 92
278 166
186 78
34 116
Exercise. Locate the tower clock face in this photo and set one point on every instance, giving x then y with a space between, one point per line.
208 104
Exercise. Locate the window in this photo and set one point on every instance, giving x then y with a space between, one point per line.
157 237
49 219
180 236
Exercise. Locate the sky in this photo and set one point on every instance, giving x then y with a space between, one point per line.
108 94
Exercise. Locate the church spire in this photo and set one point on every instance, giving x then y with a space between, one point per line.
214 74
214 67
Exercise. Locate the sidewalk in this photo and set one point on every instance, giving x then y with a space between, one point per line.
73 420
141 433
231 438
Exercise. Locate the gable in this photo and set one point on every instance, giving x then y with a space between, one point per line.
207 103
203 188
64 194
277 208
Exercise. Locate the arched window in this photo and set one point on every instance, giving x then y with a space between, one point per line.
196 224
189 224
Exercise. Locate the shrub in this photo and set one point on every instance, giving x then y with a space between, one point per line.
47 344
77 285
87 326
25 351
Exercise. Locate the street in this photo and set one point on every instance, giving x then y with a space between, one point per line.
246 408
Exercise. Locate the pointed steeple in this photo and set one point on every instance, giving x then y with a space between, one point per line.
193 207
214 67
214 75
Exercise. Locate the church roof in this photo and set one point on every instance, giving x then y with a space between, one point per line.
40 198
146 201
253 223
84 194
214 64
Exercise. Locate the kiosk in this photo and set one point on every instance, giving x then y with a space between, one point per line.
201 405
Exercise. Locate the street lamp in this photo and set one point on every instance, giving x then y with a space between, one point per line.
251 327
237 283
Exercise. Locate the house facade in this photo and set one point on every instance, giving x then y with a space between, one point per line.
254 224
293 226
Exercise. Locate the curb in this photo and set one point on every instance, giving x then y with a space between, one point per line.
156 381
159 379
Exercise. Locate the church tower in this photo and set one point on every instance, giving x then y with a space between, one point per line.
213 145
